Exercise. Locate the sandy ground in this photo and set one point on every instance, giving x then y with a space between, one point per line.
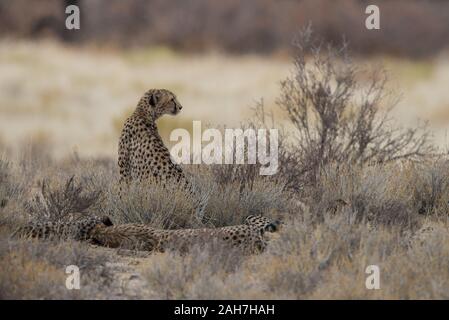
126 271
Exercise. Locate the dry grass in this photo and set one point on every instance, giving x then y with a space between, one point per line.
391 215
36 270
312 261
319 253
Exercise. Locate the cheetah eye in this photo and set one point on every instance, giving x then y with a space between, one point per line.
171 103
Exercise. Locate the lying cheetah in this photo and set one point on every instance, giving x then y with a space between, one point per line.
142 153
248 236
75 227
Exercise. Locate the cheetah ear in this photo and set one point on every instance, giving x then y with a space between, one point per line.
106 221
154 97
273 226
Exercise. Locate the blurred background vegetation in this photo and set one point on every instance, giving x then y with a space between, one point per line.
256 26
71 90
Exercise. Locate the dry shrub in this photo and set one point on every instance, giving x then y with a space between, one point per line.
310 261
200 274
229 204
152 203
300 260
371 193
337 118
54 203
172 207
241 175
421 272
36 270
245 193
340 252
318 253
22 279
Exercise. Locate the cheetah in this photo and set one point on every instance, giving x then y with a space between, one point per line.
75 227
248 236
143 155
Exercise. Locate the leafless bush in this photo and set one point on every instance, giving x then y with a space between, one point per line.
56 202
336 118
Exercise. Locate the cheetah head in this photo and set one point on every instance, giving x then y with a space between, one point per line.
263 223
86 226
160 102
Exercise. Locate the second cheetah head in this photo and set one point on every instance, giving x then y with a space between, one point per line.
263 223
160 102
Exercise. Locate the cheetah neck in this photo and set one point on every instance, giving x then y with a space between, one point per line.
148 117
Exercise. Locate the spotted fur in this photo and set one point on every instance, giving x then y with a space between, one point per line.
75 227
248 236
142 153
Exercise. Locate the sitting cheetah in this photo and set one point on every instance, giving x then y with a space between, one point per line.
248 236
75 227
142 153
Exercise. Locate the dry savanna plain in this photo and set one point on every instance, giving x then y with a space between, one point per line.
61 113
